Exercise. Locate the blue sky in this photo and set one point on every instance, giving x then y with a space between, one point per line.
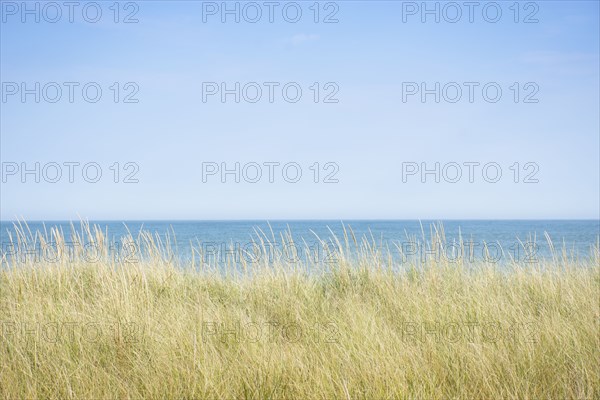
369 133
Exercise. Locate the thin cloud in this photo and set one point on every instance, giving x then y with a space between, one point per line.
301 38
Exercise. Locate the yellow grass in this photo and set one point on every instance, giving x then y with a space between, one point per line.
362 327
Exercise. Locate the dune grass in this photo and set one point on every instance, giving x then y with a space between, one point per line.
362 327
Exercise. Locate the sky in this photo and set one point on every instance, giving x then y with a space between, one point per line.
299 110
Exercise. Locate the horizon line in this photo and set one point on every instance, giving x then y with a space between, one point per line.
299 219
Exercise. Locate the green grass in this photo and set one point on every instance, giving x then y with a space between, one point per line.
360 328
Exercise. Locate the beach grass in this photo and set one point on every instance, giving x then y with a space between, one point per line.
364 326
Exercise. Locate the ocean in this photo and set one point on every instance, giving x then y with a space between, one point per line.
495 240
